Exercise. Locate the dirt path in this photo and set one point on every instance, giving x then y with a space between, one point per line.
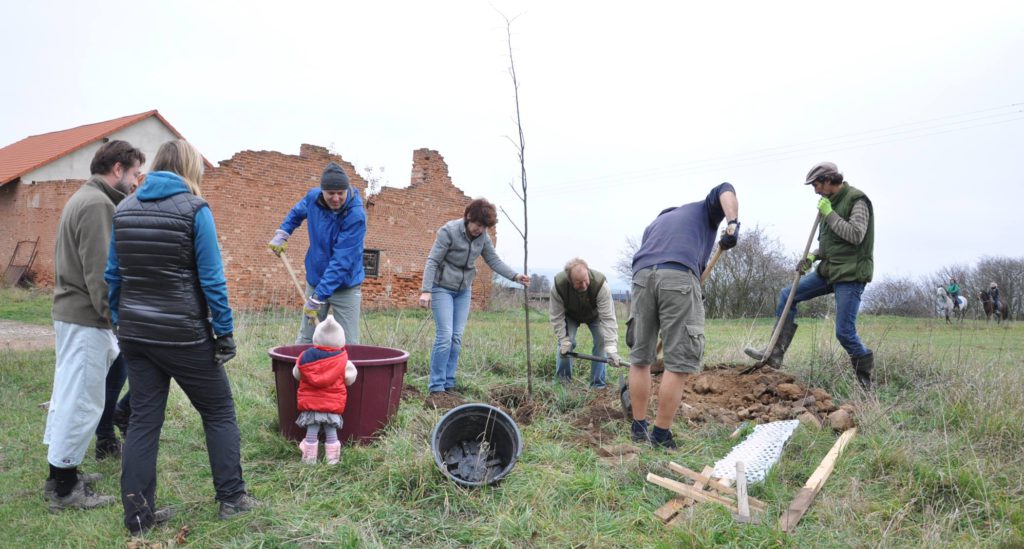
16 336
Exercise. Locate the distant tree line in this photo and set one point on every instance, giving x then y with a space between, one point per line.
747 280
906 296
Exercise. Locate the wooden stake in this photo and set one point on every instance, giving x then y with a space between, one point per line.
673 506
804 498
712 483
741 497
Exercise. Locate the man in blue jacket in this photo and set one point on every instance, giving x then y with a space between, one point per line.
336 223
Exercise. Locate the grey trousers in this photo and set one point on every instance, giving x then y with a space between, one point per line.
344 305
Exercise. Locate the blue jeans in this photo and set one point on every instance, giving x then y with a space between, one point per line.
451 310
563 369
848 295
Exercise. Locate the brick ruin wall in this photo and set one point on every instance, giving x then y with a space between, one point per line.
249 195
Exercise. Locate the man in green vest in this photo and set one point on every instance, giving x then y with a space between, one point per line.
581 296
845 256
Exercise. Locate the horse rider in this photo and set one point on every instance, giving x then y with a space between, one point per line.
993 294
953 290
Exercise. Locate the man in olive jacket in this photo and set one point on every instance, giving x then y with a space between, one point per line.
85 345
581 296
846 263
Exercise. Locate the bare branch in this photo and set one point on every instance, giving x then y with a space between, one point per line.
514 226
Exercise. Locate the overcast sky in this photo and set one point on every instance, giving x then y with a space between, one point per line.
627 108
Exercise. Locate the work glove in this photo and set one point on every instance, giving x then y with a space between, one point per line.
279 242
805 264
825 207
564 346
224 349
613 356
731 236
312 307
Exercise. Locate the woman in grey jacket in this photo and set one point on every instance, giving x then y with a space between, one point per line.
448 284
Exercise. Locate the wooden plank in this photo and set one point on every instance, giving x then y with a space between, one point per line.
688 491
804 498
712 483
674 505
669 510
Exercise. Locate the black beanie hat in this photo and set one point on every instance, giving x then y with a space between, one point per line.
334 178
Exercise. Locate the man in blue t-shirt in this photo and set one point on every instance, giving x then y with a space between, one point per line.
667 299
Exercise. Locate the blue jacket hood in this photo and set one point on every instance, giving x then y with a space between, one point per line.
161 185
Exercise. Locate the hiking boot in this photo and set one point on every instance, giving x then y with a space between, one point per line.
639 432
108 448
50 487
243 504
774 359
309 451
863 365
80 497
662 438
160 518
332 452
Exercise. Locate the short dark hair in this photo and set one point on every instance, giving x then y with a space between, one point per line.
481 211
113 152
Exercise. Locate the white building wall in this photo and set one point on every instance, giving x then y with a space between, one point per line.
146 135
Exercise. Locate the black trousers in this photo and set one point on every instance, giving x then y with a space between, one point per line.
150 370
116 376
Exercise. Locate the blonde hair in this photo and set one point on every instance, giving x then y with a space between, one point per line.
180 157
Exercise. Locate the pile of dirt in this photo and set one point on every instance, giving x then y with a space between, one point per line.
720 394
442 401
515 401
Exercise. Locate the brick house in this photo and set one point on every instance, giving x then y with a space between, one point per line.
249 195
39 173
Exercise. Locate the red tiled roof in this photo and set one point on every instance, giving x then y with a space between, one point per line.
19 158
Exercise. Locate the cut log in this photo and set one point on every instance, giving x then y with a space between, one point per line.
804 498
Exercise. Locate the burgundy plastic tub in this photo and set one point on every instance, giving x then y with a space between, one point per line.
372 400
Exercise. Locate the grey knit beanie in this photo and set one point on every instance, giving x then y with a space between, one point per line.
334 178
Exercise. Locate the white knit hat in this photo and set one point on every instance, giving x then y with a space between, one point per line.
329 333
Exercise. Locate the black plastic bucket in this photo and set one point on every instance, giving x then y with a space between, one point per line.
476 444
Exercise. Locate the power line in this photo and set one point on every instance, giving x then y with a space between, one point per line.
890 134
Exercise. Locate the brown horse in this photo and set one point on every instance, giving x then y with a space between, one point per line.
986 302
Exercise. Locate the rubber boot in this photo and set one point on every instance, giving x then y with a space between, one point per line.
779 351
309 451
863 365
332 452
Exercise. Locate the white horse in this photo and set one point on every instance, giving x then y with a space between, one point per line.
944 305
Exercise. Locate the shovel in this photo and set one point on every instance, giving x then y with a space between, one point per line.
295 279
789 303
593 358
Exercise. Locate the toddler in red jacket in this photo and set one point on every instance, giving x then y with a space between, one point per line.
323 371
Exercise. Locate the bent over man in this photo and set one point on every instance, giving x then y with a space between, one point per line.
667 299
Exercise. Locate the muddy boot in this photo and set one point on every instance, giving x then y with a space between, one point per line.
81 497
863 365
775 358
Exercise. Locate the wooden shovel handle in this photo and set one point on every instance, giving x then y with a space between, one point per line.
295 279
792 292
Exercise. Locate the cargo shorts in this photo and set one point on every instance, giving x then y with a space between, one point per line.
669 302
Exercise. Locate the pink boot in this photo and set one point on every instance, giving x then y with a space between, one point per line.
309 451
332 452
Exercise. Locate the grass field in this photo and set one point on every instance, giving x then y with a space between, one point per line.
937 460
